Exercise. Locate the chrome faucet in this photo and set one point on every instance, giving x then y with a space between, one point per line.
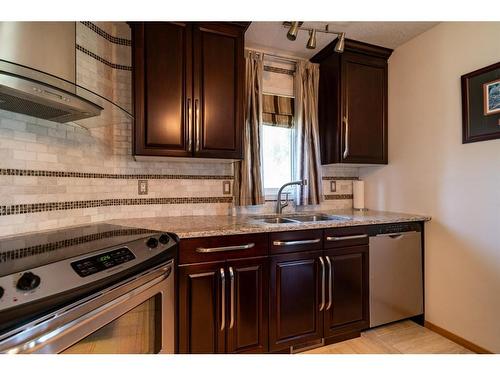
279 204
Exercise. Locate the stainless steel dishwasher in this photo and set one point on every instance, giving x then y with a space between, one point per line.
396 277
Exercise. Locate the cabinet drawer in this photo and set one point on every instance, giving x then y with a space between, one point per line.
210 249
289 242
342 237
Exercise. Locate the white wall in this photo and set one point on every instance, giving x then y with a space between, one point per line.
431 172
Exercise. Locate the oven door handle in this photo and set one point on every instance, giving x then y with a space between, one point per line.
38 342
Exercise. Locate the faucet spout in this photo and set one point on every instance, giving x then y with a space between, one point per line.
279 204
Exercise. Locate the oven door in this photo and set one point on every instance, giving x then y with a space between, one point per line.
133 317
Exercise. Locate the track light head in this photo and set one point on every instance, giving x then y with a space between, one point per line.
293 31
311 43
339 47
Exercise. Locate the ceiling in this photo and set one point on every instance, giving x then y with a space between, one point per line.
272 35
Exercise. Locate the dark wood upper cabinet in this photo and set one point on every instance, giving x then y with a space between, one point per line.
162 56
352 105
188 89
218 90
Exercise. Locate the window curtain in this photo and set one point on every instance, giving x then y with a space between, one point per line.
248 172
306 115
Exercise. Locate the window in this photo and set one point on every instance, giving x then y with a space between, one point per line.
278 137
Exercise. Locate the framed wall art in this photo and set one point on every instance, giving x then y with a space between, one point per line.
481 104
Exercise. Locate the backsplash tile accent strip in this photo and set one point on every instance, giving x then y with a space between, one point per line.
99 58
42 173
113 39
30 208
330 197
330 178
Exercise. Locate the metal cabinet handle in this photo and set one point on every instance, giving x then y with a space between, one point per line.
346 139
224 248
197 123
341 238
190 130
298 242
231 278
330 283
321 261
223 299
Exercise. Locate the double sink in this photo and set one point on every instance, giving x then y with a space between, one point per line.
298 219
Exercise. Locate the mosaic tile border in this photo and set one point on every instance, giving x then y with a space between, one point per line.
331 178
24 252
331 197
110 38
100 59
30 208
44 173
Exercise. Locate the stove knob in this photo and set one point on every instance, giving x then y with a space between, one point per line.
1 292
152 243
164 238
28 281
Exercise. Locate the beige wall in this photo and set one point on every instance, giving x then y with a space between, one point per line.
430 171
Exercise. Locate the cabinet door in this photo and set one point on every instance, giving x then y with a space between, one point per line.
202 290
347 292
364 109
218 90
162 55
295 300
247 322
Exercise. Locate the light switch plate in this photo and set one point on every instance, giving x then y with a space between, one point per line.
333 186
142 187
226 187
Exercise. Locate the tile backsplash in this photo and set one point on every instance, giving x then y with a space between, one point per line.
55 175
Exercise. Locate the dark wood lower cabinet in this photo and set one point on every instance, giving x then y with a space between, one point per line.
223 307
200 314
248 306
295 293
349 308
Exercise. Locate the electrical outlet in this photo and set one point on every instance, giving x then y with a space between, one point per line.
226 187
142 187
333 186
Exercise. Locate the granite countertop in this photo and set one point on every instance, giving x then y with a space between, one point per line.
221 225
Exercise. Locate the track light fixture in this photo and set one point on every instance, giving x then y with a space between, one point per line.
294 27
293 31
311 43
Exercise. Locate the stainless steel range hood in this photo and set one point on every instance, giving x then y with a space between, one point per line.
38 71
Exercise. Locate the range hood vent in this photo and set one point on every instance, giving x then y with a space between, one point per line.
46 102
38 71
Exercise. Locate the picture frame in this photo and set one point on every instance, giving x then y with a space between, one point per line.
481 104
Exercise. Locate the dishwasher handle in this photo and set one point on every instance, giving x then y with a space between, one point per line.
396 235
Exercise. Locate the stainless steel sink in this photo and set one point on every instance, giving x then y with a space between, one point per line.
278 220
317 217
297 219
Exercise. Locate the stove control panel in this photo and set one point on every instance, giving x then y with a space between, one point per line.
88 266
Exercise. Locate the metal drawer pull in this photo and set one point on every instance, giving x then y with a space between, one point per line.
224 248
330 283
346 141
223 299
322 283
231 278
298 242
341 238
189 129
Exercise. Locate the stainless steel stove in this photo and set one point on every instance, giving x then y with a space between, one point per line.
85 289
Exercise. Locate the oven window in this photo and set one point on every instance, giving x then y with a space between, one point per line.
136 332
